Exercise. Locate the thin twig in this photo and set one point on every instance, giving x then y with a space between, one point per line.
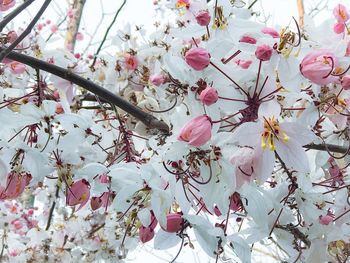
146 118
106 34
330 147
5 52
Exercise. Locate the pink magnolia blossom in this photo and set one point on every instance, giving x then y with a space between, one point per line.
174 223
318 65
339 28
270 31
263 52
78 193
203 18
209 96
198 58
7 4
340 13
197 131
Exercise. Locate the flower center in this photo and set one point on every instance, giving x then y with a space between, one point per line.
271 132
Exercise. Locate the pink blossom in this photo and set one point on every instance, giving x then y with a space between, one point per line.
270 31
209 96
198 58
244 64
54 28
339 28
174 223
340 13
15 185
78 193
203 18
325 220
263 52
11 36
17 67
197 131
247 39
7 4
130 61
79 36
345 82
318 65
157 79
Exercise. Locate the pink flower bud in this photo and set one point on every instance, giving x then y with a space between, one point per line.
345 82
347 52
247 39
95 203
339 28
197 131
15 185
209 96
217 211
11 36
54 28
157 79
174 223
79 36
146 234
318 65
270 31
340 13
203 18
198 58
263 52
325 220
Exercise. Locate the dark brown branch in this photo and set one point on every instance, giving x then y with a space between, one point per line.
331 147
106 34
7 19
5 52
66 74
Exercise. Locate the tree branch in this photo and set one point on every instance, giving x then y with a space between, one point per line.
7 19
5 52
323 147
66 74
74 24
106 34
301 11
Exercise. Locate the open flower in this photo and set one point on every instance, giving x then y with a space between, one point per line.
197 131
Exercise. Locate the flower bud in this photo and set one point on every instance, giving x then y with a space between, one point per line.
198 58
325 220
209 96
263 52
270 31
203 18
157 79
197 131
339 28
345 82
247 39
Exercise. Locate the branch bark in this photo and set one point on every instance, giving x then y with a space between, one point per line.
74 24
331 147
149 120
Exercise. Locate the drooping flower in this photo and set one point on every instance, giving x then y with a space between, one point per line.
78 193
318 65
198 58
197 131
340 13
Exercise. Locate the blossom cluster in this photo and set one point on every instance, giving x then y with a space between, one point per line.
257 150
